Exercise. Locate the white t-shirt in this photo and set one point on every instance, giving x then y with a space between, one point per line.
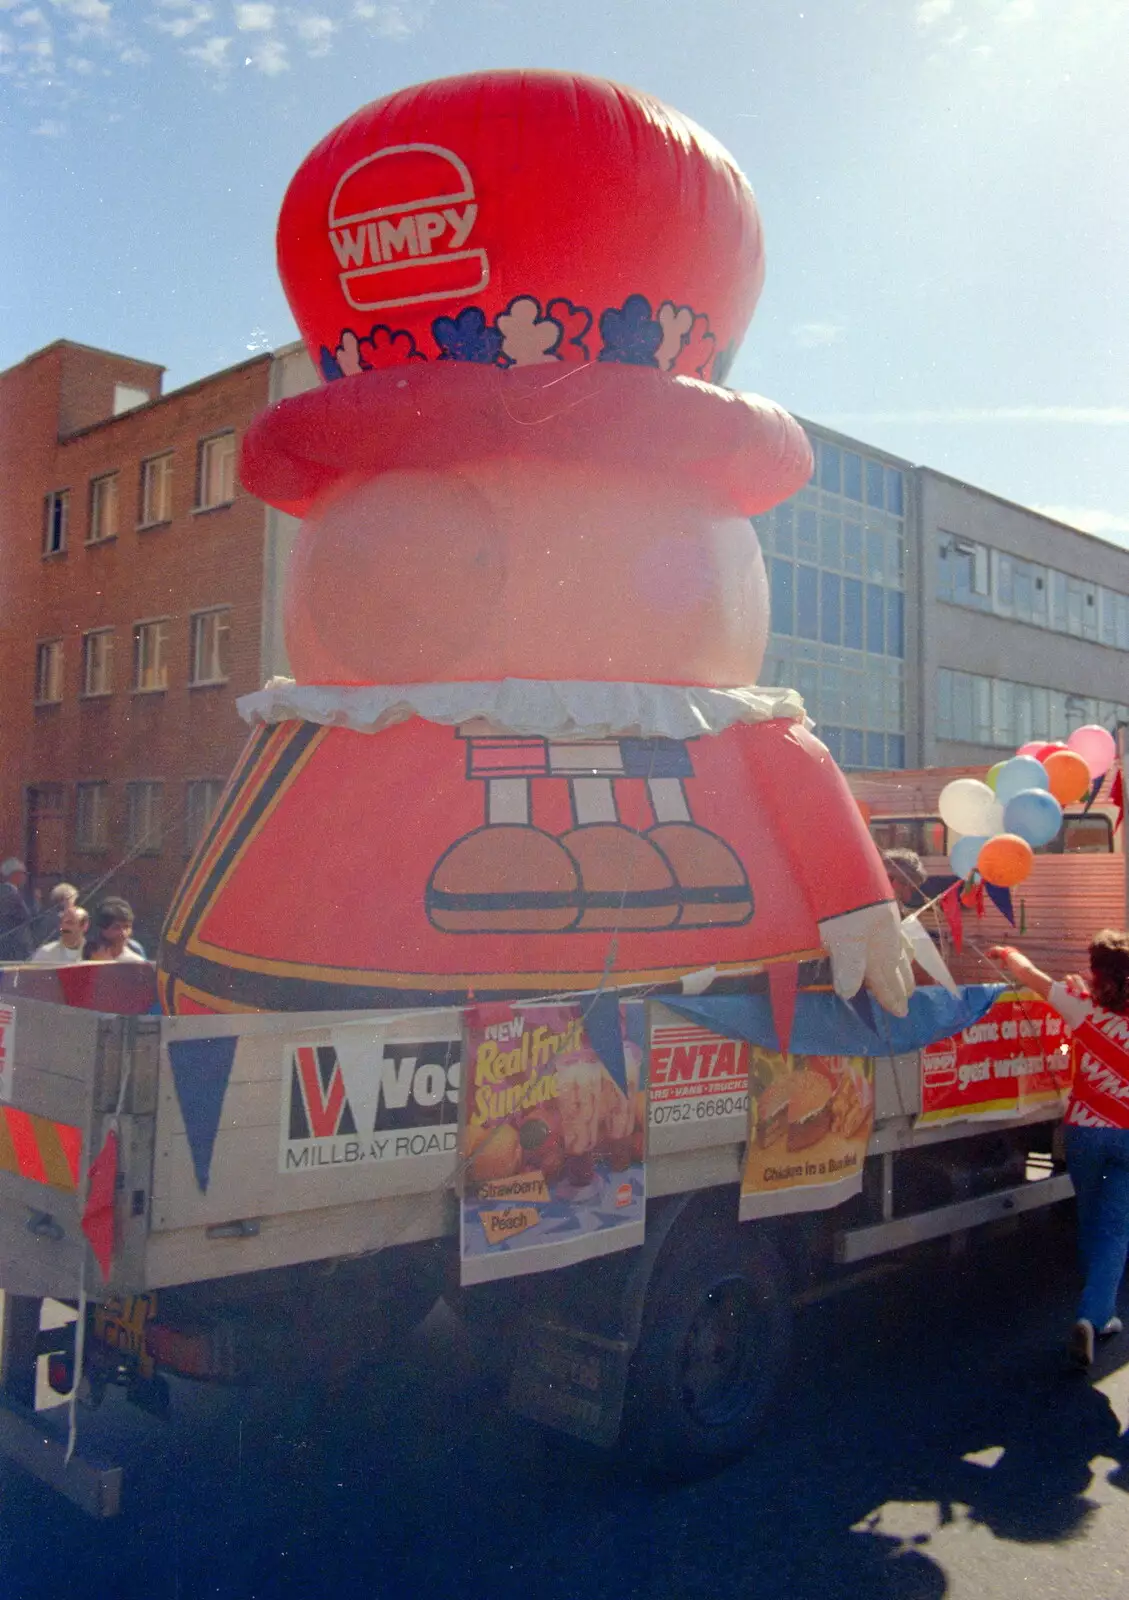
56 954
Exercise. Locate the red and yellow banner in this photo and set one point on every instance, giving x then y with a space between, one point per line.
1010 1062
35 1147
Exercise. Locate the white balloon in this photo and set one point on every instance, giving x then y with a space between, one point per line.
968 806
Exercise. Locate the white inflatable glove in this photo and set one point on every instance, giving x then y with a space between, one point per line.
866 947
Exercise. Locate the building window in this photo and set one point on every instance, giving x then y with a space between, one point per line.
201 798
210 632
98 662
56 512
92 816
997 712
215 479
49 672
150 647
156 491
103 508
143 817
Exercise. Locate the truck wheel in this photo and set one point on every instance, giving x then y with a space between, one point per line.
714 1344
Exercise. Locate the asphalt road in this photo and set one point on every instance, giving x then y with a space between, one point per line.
930 1443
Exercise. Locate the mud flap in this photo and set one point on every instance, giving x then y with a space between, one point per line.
571 1380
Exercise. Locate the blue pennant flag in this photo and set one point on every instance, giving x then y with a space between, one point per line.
601 1019
1001 899
824 1026
201 1069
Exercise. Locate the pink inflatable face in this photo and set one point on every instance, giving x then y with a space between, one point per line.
525 569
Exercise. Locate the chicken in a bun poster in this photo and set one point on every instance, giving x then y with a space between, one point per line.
553 1137
810 1120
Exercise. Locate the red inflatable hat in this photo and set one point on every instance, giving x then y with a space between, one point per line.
473 252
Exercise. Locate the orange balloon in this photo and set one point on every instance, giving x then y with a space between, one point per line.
1069 776
1005 860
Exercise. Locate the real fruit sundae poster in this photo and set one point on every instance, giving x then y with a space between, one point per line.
552 1145
810 1120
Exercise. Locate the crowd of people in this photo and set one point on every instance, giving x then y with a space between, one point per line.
61 932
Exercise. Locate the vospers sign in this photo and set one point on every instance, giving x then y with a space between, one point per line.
363 1097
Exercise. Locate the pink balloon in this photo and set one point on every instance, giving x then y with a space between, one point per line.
1096 747
1031 748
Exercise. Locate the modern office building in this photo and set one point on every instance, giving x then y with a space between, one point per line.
930 623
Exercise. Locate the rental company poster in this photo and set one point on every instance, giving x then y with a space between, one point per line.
7 1050
810 1120
553 1138
1011 1061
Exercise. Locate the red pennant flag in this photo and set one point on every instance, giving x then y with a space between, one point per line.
783 980
98 1215
1117 797
950 905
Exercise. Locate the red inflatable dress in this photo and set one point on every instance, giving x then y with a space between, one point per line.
521 753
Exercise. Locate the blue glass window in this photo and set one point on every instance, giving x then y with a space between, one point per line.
852 747
829 463
875 555
875 485
852 549
833 739
807 533
830 588
895 630
875 619
852 613
852 475
894 491
895 750
784 521
807 602
782 588
875 750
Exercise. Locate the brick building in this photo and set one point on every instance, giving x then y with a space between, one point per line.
131 613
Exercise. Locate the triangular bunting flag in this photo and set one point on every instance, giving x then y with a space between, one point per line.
783 980
605 1033
926 954
950 905
1117 797
200 1070
863 1007
98 1213
1001 899
1095 789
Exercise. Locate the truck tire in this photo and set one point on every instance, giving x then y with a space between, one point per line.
714 1344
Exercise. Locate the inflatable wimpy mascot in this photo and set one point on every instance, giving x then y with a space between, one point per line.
521 754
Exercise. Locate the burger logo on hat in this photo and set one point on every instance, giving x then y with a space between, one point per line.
399 222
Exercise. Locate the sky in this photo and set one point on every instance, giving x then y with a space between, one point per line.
944 186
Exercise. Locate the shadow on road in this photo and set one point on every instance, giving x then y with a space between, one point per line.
424 1485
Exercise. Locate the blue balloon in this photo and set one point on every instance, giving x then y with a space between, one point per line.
1034 815
1021 772
964 854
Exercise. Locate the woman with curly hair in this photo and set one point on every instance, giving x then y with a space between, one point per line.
1096 1134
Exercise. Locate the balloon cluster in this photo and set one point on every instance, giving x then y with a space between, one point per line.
1019 806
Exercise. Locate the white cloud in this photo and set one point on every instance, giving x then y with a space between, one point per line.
194 14
316 33
41 47
254 17
30 19
1109 524
133 56
80 64
390 21
816 335
50 129
211 54
1095 416
930 12
270 57
96 13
